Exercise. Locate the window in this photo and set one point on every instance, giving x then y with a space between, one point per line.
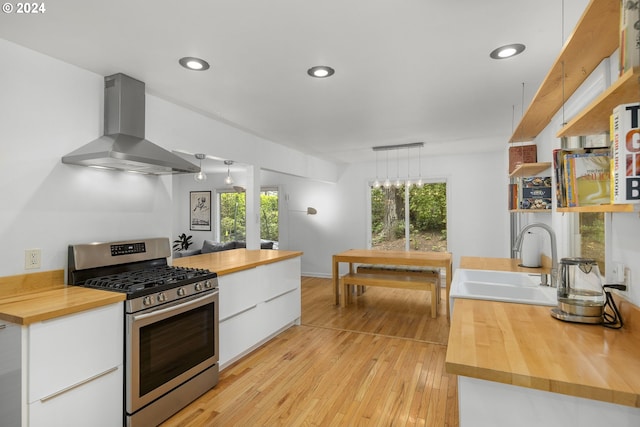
269 214
423 208
591 229
232 215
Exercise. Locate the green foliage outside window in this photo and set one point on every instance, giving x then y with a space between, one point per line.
427 216
233 216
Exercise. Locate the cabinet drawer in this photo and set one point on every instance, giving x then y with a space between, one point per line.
279 278
238 334
96 403
238 291
66 351
278 312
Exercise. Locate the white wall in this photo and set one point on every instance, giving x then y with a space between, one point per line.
477 219
47 109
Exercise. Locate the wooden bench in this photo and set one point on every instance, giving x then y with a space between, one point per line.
409 270
395 280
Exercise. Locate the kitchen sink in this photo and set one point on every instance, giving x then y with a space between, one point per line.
506 286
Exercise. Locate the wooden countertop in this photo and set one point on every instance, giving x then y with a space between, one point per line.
503 264
523 345
30 298
227 262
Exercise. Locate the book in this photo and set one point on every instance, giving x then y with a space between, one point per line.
625 152
629 35
513 196
536 193
588 181
522 154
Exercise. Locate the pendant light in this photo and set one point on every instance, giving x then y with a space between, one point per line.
387 183
228 180
376 183
419 183
398 183
200 176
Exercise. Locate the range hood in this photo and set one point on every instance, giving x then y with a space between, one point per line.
123 147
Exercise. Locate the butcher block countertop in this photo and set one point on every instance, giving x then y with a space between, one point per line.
523 345
234 260
30 298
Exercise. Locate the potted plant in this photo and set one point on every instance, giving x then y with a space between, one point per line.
182 243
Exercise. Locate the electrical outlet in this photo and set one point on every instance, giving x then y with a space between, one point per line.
627 277
617 272
32 259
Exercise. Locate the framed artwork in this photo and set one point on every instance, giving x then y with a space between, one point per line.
200 210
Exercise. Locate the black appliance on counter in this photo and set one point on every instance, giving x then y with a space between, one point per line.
171 323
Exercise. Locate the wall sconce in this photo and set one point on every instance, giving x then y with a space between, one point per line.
309 211
200 176
228 180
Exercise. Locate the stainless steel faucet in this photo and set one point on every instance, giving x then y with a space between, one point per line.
554 251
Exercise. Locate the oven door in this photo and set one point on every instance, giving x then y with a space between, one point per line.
167 346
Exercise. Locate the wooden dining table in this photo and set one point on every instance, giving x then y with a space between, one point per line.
382 257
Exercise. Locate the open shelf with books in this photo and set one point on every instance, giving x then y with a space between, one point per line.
595 37
594 119
599 208
530 210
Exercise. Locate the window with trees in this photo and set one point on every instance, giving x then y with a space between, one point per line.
422 208
592 242
232 215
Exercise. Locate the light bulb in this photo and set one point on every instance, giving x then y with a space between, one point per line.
200 177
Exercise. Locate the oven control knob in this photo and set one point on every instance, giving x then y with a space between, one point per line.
198 286
162 297
208 284
148 300
181 292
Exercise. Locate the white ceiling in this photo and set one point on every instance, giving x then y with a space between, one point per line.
406 70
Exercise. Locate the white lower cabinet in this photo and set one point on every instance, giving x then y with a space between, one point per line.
255 304
96 403
10 374
70 370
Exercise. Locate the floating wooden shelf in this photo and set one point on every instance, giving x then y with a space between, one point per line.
529 169
530 210
600 208
594 119
595 37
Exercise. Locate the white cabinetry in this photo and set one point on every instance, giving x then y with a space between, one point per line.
69 370
255 305
75 369
10 374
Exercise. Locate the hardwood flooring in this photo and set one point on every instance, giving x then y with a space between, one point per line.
378 362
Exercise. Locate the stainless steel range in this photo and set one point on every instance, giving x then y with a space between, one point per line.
171 323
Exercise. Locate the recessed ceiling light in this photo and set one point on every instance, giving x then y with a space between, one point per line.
195 64
507 51
320 71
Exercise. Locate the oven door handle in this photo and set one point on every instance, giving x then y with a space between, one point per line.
172 308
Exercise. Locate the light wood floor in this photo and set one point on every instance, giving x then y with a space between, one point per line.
378 362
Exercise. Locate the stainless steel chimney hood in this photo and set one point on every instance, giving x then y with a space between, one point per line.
123 147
